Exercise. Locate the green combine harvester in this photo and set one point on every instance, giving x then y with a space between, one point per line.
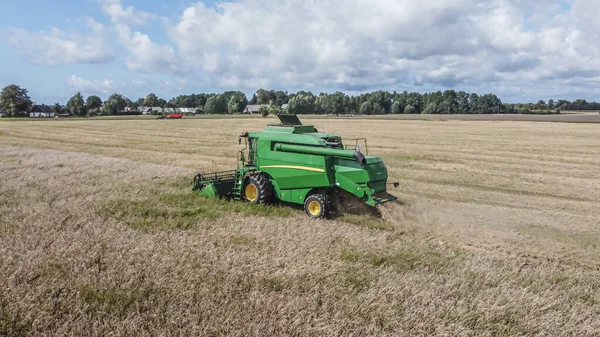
295 163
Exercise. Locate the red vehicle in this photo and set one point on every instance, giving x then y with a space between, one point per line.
175 116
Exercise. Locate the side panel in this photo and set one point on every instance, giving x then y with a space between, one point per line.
296 196
293 170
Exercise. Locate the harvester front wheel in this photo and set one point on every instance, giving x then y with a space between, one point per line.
317 206
258 189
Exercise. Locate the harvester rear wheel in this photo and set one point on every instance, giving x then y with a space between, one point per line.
317 206
258 189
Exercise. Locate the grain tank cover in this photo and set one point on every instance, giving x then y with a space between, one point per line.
289 120
290 123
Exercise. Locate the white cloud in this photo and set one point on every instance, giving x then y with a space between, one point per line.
128 15
146 56
143 55
90 87
55 46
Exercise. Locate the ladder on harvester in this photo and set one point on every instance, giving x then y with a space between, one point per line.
238 184
239 176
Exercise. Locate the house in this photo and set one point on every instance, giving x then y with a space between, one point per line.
41 111
146 110
187 110
250 109
157 109
64 112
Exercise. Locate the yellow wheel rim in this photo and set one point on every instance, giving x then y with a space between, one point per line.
314 208
251 192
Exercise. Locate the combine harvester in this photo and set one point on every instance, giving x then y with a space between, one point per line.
295 163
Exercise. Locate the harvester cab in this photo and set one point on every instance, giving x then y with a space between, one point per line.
295 163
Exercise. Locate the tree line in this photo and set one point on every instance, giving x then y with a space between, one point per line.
15 101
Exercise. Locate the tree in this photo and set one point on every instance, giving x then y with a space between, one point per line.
365 109
93 102
302 103
76 105
281 98
115 103
449 103
254 99
152 100
237 102
541 105
463 103
14 100
396 108
270 109
140 102
431 108
263 111
215 105
56 108
378 109
409 109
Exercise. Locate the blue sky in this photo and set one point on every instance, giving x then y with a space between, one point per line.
520 51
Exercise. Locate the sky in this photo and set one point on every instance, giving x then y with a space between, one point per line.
523 51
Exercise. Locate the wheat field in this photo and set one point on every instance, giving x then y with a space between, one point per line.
496 233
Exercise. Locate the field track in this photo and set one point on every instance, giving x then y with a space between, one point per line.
497 232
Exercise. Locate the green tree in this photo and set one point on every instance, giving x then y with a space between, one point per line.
431 108
416 101
378 109
215 105
15 100
302 103
409 109
270 109
152 100
76 105
396 108
449 102
263 111
115 103
237 102
234 106
365 109
56 108
541 105
463 103
93 102
474 104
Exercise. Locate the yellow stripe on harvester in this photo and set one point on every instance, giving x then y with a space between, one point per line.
304 168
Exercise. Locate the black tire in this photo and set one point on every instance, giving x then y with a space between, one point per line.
317 206
263 189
